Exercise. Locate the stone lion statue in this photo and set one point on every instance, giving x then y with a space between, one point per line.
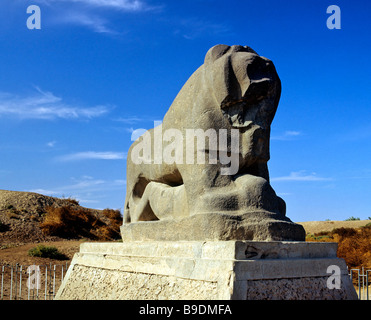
216 186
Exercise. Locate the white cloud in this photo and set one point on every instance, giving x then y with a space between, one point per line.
283 194
292 133
137 119
85 189
51 144
87 202
45 192
120 182
287 135
193 28
93 22
122 5
45 105
90 13
130 120
86 184
93 155
90 184
300 176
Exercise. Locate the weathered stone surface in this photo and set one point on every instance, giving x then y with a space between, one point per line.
237 91
205 270
214 226
89 283
267 290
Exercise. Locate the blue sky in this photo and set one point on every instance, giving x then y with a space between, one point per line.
72 92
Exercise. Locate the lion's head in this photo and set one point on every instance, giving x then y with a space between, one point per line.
247 89
245 85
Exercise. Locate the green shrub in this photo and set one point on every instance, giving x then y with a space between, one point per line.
352 219
321 236
51 252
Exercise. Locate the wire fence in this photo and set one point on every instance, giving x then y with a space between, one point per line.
41 282
31 282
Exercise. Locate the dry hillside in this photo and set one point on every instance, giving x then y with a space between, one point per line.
353 238
322 226
31 217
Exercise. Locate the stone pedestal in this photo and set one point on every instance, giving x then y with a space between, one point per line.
205 270
256 226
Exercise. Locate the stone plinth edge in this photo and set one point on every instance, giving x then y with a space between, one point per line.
205 270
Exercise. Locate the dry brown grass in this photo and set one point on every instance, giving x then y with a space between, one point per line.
76 222
354 244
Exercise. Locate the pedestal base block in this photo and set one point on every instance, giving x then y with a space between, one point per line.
207 270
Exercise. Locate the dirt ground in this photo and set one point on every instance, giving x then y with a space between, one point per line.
51 270
18 253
